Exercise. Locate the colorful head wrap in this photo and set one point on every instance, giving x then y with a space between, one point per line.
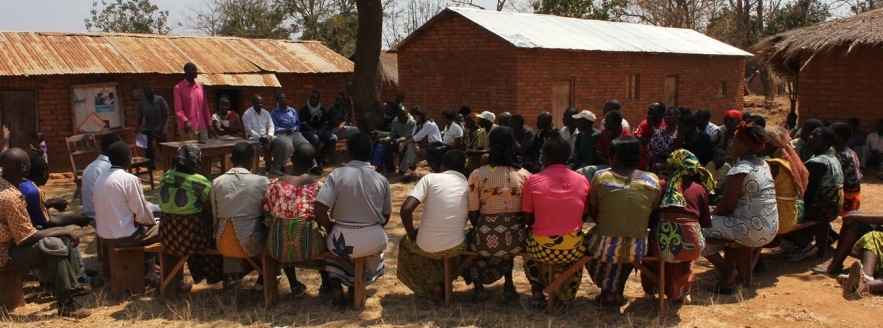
778 137
189 156
684 164
756 142
733 113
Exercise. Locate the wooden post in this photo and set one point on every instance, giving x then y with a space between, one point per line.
359 285
661 285
170 266
449 281
11 291
552 296
271 285
103 257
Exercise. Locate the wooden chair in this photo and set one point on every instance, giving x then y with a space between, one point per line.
11 290
127 267
140 165
81 150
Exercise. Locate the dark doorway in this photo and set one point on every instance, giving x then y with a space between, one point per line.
18 111
233 94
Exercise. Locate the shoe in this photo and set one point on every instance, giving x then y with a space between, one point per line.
803 253
184 288
258 287
72 309
80 290
298 290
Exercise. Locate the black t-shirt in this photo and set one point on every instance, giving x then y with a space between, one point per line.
315 120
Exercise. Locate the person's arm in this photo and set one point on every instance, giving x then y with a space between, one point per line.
205 111
407 214
593 199
137 203
732 189
235 123
325 199
527 207
304 115
704 211
4 138
164 112
271 128
862 217
250 125
277 129
321 212
386 211
474 199
179 108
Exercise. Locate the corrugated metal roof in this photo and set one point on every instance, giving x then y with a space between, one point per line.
240 80
555 32
37 53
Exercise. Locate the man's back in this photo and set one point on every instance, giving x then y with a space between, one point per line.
445 202
90 175
362 193
119 203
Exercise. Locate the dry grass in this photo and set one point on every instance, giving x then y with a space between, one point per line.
787 294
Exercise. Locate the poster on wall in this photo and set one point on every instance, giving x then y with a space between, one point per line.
101 100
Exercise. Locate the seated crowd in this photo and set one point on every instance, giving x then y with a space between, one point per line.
676 188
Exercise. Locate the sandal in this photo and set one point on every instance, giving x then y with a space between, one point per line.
539 303
298 290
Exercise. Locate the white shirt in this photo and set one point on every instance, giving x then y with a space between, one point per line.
571 138
90 175
430 129
625 125
119 203
258 125
445 200
452 132
712 130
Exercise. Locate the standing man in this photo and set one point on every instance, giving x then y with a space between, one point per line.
259 126
314 126
191 107
341 121
155 111
287 133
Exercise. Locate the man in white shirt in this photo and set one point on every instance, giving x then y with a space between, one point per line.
612 105
445 211
425 133
569 131
703 122
95 170
259 126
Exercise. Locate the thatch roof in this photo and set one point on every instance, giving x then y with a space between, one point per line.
389 68
782 51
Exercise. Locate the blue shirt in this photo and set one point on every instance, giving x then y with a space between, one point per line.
285 118
34 199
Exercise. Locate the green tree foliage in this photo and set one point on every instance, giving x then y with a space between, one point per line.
339 31
588 9
253 19
127 16
796 14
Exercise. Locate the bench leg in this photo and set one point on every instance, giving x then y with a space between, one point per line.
744 264
550 305
11 290
661 287
104 257
170 266
127 271
449 281
360 284
271 284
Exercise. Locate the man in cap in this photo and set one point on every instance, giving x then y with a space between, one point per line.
585 149
478 153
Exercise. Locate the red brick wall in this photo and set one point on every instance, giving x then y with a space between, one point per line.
454 62
54 99
835 86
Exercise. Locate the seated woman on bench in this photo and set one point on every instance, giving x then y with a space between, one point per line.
187 226
790 177
747 213
621 201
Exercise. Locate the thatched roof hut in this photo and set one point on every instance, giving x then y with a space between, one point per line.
782 52
389 68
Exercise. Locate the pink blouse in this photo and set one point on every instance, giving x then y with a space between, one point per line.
558 198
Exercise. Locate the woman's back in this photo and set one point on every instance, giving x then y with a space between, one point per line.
496 189
624 203
288 201
786 195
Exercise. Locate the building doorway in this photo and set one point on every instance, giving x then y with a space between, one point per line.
670 98
18 111
562 99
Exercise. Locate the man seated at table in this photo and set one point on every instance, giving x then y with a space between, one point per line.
287 131
259 127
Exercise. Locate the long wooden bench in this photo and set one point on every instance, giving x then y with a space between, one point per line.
451 272
12 293
271 284
125 266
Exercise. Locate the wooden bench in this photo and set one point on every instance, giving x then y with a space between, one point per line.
171 265
745 258
821 234
271 284
12 293
126 267
451 273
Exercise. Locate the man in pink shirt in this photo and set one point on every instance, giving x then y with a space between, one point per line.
191 107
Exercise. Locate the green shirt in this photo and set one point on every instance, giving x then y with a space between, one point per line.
585 149
400 131
624 204
183 194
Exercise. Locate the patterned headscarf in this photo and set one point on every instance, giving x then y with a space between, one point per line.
778 137
189 156
755 141
684 164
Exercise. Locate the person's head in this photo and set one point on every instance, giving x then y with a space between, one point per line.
821 139
120 155
454 160
568 119
419 115
612 105
685 110
732 117
148 92
401 114
671 117
808 127
223 104
749 139
584 120
281 100
703 116
314 98
470 122
502 147
544 121
359 147
687 125
720 157
340 99
16 164
242 154
400 97
190 71
517 123
746 115
791 120
107 140
485 120
503 118
39 137
465 111
188 158
854 123
655 112
257 102
303 155
556 150
842 132
390 109
39 172
613 122
448 116
625 152
458 118
758 120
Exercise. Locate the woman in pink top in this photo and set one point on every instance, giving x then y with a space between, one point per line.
554 205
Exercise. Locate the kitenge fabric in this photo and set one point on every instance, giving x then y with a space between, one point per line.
615 249
499 235
421 271
560 251
684 164
183 193
486 269
294 240
191 235
872 241
679 239
349 241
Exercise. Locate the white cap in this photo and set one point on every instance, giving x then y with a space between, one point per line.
585 115
487 116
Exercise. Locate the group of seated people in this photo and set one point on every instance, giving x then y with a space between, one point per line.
671 193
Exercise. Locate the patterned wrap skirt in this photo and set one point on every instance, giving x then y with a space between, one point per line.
560 251
355 240
612 259
296 241
421 271
497 239
680 239
190 235
239 242
826 206
871 241
852 201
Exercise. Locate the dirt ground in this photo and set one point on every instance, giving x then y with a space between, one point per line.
787 294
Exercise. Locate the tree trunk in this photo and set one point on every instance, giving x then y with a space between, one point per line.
365 85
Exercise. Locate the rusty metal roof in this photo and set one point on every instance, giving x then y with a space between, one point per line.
536 31
39 53
240 80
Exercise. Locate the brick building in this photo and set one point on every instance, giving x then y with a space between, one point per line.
527 63
838 67
43 77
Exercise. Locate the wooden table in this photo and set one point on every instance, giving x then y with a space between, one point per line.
212 149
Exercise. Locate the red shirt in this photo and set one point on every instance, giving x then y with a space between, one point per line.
645 131
558 198
604 144
191 105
